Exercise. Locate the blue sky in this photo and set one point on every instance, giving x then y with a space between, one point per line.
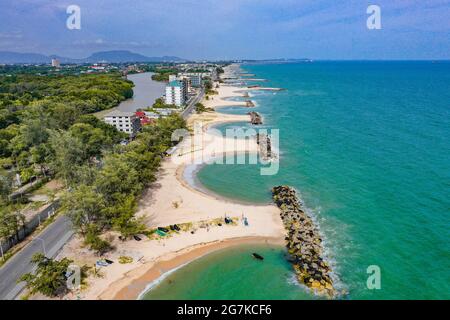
229 29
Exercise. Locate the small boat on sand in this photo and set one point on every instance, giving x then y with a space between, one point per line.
160 233
257 256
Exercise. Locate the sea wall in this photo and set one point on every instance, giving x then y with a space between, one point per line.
303 242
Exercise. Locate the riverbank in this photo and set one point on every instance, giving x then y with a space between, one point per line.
172 200
145 92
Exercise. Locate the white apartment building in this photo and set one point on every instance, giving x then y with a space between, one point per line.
126 122
176 92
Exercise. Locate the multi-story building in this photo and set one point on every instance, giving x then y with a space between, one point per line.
56 63
176 93
195 78
186 82
126 122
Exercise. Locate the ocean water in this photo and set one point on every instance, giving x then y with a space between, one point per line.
199 280
367 145
234 110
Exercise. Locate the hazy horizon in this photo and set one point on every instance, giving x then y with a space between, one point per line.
228 30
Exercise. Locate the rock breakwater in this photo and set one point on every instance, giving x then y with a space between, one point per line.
303 242
249 104
255 118
265 146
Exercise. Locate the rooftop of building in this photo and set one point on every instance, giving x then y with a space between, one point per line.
174 83
119 113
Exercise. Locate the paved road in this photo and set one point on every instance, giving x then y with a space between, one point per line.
186 112
49 241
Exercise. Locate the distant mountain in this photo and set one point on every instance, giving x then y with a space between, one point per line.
15 57
127 56
115 56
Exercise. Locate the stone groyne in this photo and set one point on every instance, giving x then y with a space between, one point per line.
249 104
303 242
255 118
265 146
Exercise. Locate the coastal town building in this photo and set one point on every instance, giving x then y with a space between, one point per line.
176 93
195 79
143 118
126 122
157 113
56 63
186 87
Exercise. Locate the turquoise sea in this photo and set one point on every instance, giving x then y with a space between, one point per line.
367 145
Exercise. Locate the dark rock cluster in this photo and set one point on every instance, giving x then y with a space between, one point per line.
303 242
249 104
265 146
255 118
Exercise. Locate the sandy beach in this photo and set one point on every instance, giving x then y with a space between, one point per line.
173 200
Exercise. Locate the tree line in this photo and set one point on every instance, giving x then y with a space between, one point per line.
105 197
47 130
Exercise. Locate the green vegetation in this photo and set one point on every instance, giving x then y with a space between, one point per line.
200 108
105 199
36 111
125 259
46 131
11 222
160 104
50 276
163 74
209 87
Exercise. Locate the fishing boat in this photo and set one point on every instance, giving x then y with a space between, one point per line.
257 256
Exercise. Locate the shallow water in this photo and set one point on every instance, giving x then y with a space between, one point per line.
234 110
233 273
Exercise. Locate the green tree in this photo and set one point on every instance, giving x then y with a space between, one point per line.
84 206
5 187
93 139
11 222
63 115
49 278
39 155
95 243
116 178
67 155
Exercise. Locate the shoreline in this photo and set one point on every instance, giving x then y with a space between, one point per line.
137 284
172 200
140 94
